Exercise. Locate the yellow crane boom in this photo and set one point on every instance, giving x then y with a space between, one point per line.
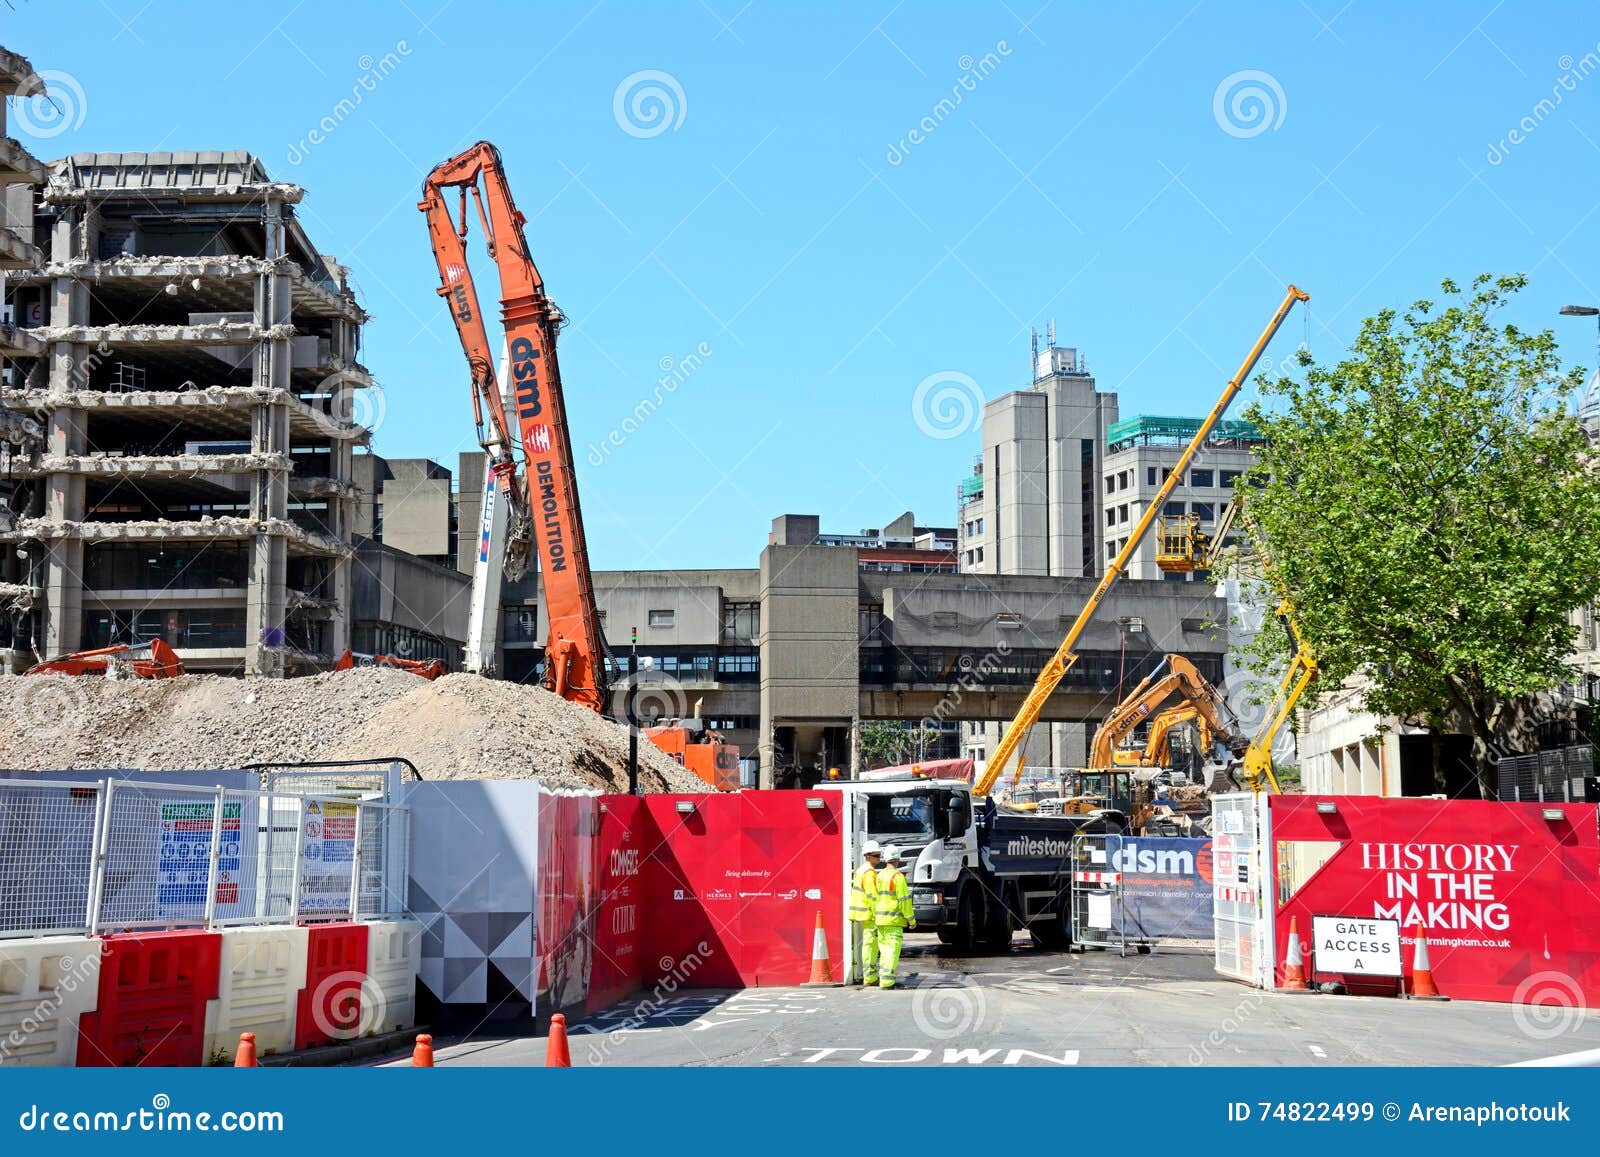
1056 668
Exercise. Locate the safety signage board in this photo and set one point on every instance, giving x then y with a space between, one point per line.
1355 944
327 854
183 858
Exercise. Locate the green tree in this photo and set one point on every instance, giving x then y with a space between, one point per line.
1432 508
888 742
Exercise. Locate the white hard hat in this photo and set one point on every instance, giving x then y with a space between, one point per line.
892 855
871 848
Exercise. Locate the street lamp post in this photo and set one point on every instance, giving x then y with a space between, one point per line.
1590 398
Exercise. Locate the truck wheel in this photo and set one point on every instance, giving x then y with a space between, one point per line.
969 914
946 934
1056 932
996 933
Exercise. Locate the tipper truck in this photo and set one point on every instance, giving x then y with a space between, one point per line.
978 872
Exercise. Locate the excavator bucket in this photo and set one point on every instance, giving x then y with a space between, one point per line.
1219 778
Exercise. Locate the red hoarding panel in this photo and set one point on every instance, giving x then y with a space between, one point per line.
693 937
152 1002
792 869
735 885
1509 899
623 860
568 898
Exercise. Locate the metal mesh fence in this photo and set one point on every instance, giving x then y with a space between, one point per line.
1096 895
381 863
1555 776
47 844
158 849
257 872
122 855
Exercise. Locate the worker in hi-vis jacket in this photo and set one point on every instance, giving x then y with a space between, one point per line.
863 911
892 915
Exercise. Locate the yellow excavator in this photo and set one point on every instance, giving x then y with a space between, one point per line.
1201 703
1122 779
1056 668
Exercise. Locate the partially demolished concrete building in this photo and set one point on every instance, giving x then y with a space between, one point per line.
193 361
21 435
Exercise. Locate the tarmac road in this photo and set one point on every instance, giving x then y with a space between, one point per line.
1037 1008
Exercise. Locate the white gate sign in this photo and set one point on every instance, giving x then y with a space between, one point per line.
1355 944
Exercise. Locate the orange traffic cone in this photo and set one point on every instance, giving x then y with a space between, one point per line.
1422 986
556 1055
1294 969
422 1055
245 1058
821 969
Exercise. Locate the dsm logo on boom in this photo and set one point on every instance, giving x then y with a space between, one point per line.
525 377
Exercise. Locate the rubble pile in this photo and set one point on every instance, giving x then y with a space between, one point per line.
457 727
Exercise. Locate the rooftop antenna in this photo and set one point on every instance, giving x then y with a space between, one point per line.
1052 332
1033 364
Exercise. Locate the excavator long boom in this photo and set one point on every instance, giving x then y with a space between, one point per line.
575 664
1056 667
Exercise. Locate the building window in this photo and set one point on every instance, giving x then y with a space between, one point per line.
969 528
663 618
1111 483
870 623
1201 477
744 663
980 526
1111 516
1009 619
741 622
980 554
1124 479
969 558
1229 477
1122 513
1206 510
1150 475
1173 510
1111 551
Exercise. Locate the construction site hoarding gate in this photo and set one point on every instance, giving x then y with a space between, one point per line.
1241 887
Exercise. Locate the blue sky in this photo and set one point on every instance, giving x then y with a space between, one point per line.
1095 171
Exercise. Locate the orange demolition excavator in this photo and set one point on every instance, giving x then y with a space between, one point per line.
158 661
427 668
544 507
575 653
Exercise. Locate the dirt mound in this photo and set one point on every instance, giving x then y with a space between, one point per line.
458 727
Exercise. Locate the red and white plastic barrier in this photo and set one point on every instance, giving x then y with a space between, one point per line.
262 972
46 986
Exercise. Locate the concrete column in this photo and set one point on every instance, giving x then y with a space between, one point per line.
70 367
265 607
340 576
64 501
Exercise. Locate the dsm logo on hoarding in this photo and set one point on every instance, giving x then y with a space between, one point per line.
1162 856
